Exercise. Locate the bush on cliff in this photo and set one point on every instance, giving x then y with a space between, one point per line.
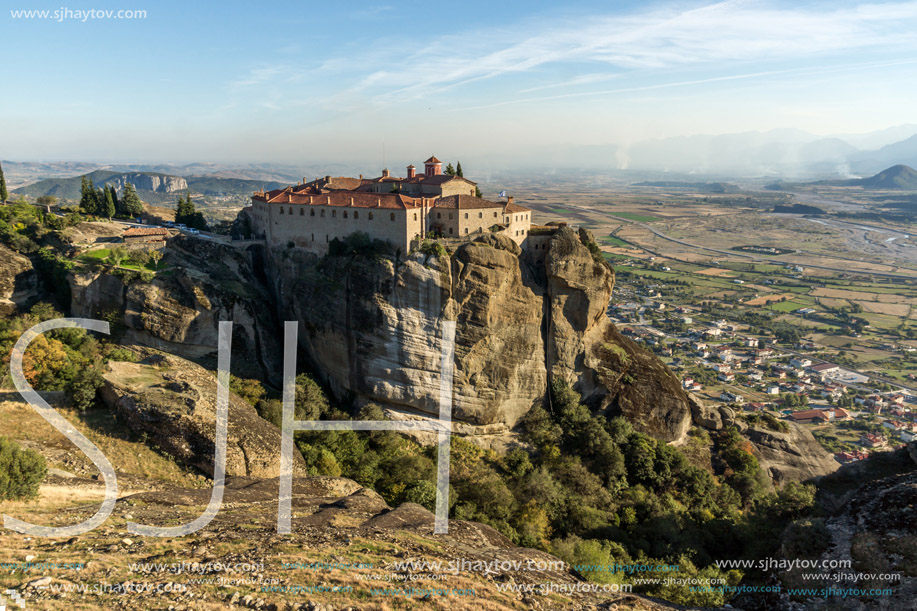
21 471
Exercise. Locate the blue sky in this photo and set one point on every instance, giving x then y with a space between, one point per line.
307 82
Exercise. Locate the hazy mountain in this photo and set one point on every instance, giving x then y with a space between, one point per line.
875 140
785 152
899 153
153 187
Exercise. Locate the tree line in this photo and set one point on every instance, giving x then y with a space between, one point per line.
106 203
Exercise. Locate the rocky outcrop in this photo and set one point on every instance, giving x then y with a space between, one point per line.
158 183
794 455
173 402
585 349
19 284
868 521
374 326
179 311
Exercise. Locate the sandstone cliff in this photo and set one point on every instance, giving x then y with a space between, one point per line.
158 183
19 284
179 311
373 327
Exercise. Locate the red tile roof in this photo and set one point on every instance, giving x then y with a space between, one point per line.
432 159
465 202
139 232
356 199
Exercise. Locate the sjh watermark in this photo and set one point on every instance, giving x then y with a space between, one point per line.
442 426
64 13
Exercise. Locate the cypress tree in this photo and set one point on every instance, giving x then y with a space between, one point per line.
4 194
109 203
130 201
458 169
114 198
86 205
450 170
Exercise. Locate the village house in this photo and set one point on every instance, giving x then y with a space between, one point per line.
872 440
145 237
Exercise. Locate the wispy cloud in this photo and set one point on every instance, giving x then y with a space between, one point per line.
718 34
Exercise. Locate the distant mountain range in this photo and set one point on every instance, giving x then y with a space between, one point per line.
153 187
899 177
787 153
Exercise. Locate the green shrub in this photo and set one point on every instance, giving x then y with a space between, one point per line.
21 471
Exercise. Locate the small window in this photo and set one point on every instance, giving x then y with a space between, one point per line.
480 215
291 209
334 213
313 237
356 214
450 216
323 213
312 213
439 215
466 215
345 214
393 216
450 230
326 238
466 230
370 216
415 216
281 211
302 212
495 215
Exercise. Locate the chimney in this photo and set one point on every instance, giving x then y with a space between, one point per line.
310 199
351 201
509 199
328 178
386 173
361 177
303 180
412 171
379 203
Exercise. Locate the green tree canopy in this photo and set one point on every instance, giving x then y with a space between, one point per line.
4 194
130 201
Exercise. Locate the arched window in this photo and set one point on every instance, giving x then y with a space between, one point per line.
466 215
495 215
480 215
415 216
345 214
466 230
439 215
312 213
